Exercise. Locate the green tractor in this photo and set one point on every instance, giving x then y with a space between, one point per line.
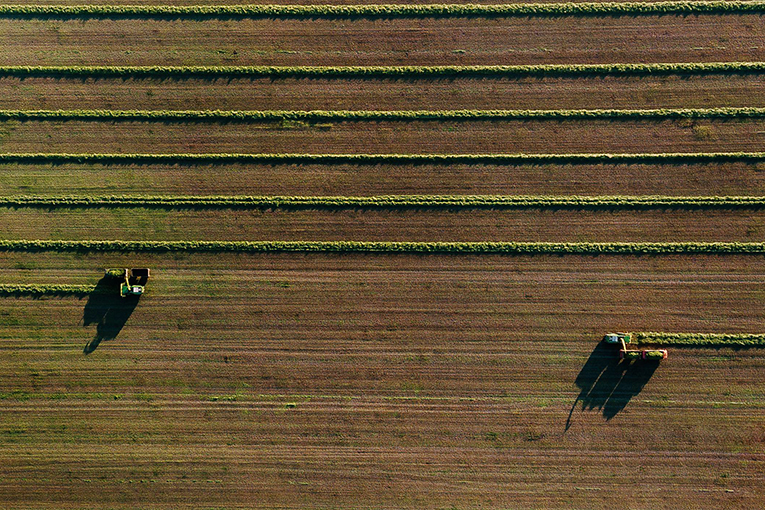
132 281
622 339
617 338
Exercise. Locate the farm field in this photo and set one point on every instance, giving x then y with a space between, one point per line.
378 380
704 38
439 94
384 225
411 137
733 178
463 367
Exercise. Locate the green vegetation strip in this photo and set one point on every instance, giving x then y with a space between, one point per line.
46 290
372 115
385 11
508 248
389 202
701 339
384 159
379 72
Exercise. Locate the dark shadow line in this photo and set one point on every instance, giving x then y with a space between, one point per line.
374 160
357 75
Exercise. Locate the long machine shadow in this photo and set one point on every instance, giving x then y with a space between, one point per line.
108 311
607 383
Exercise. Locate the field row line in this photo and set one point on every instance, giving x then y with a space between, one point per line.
383 247
377 115
700 339
390 202
386 159
384 11
390 72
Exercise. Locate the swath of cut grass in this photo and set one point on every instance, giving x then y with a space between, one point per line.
246 116
382 72
388 202
507 248
383 11
7 290
700 339
386 159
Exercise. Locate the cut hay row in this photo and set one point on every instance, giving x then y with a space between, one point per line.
371 115
701 339
45 290
382 11
384 159
389 202
478 248
382 72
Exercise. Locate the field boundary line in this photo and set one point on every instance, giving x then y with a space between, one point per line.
387 159
700 339
382 247
453 202
568 9
389 72
224 116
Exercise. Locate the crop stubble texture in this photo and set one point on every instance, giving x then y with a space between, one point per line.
450 41
312 380
433 94
386 137
301 369
731 178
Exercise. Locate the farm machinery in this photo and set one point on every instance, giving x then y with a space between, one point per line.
132 281
622 339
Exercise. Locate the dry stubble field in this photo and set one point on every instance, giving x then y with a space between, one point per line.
381 381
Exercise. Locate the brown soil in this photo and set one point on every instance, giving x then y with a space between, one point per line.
363 180
446 94
351 381
423 225
590 136
319 380
383 42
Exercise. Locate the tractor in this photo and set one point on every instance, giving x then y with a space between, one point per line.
132 281
617 338
622 339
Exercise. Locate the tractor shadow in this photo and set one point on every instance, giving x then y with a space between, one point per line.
108 311
607 383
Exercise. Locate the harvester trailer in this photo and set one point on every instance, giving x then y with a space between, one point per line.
132 281
622 339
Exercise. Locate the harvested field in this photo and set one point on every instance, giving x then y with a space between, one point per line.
435 94
732 178
428 41
463 367
261 374
416 137
364 225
